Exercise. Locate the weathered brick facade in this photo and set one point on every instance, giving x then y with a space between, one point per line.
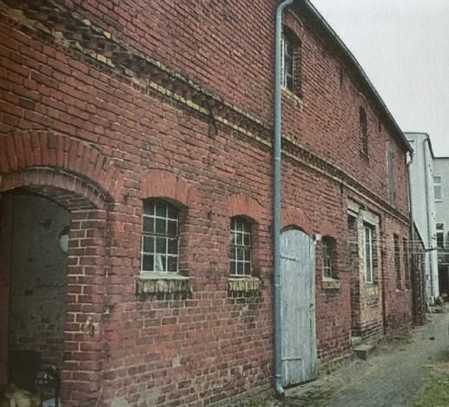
104 104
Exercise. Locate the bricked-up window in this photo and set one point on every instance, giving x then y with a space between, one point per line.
391 176
328 253
240 250
437 188
397 261
405 252
368 251
160 231
363 130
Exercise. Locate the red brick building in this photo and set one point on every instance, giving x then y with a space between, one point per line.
139 135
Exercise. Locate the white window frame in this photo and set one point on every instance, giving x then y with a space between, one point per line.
437 186
240 247
286 40
327 250
368 261
155 236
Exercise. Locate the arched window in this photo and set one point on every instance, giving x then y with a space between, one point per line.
160 236
240 250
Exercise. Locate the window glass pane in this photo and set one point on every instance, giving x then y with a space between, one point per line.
160 226
148 207
148 244
172 264
246 268
172 246
147 263
239 238
161 245
239 268
160 261
161 208
247 254
233 267
247 239
240 252
172 212
148 225
172 228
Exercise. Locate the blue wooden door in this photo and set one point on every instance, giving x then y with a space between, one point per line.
299 356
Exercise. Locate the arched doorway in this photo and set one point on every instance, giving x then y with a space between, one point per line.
52 301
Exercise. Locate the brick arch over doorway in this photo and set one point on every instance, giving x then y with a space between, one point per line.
37 149
86 289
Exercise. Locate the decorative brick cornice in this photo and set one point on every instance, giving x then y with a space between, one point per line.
55 23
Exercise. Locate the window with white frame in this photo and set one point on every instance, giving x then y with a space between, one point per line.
288 61
368 252
240 250
328 247
437 188
160 236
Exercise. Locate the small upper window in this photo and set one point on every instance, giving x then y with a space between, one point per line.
240 256
327 245
437 188
160 229
363 130
291 63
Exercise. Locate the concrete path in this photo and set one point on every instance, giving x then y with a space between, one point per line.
392 376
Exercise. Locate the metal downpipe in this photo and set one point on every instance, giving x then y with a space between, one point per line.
277 200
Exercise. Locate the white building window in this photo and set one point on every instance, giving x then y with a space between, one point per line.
240 255
288 61
437 188
160 229
368 253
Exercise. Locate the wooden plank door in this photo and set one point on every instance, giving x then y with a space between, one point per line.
299 355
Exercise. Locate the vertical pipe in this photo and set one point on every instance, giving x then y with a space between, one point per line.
277 199
429 249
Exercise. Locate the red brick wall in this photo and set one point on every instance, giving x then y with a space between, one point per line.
63 110
398 297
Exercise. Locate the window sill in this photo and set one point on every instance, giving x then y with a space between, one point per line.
248 285
293 96
331 284
162 284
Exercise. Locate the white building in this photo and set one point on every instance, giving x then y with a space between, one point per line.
441 191
423 206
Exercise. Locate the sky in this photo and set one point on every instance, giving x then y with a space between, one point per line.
403 46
